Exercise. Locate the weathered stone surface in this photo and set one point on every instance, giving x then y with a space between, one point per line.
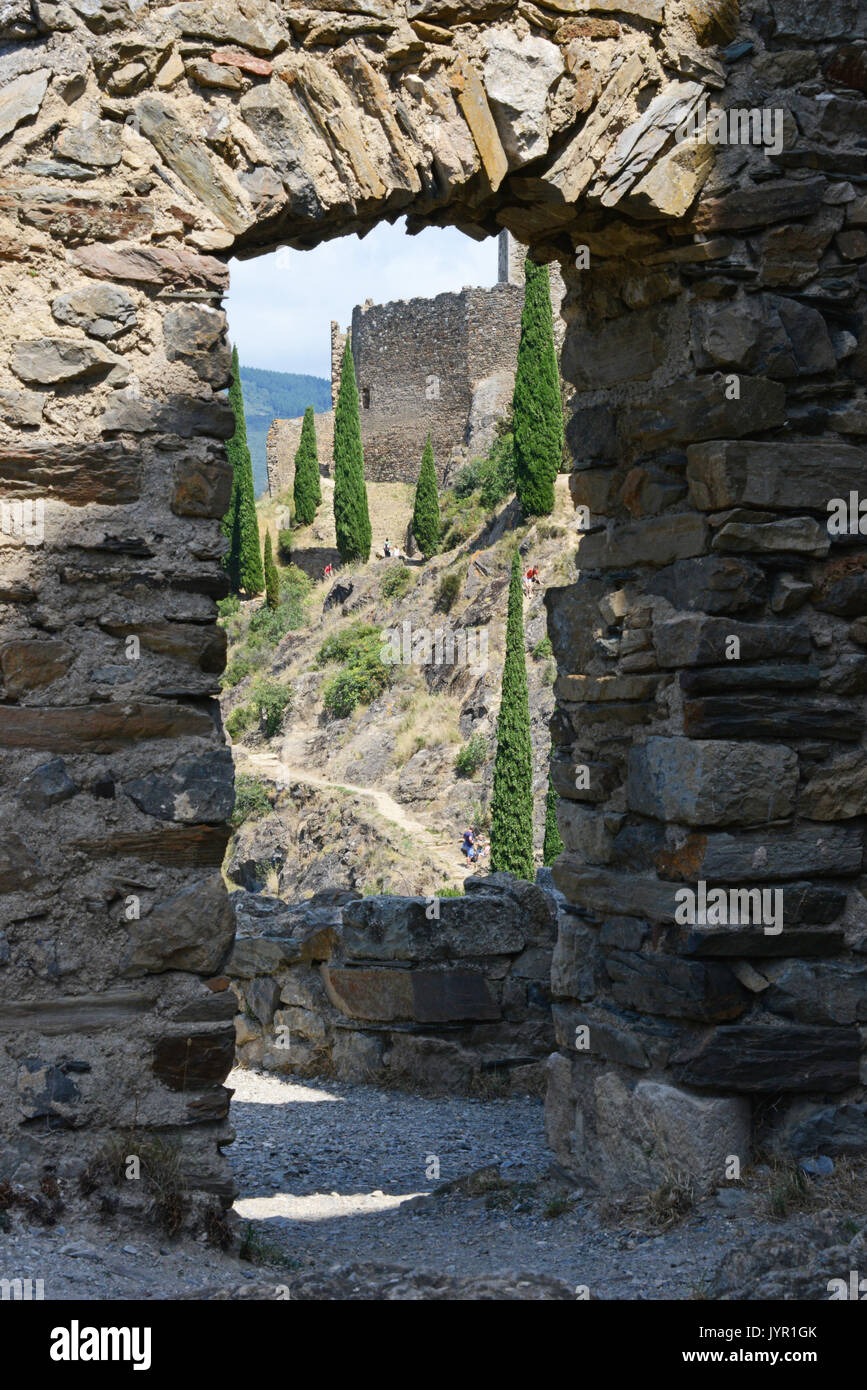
789 536
786 476
518 75
99 728
22 97
725 943
193 1061
710 584
27 665
96 143
254 24
834 1130
257 955
700 409
45 1091
46 786
195 790
759 857
809 993
209 74
756 207
626 349
47 361
153 265
186 416
192 930
691 639
384 928
701 1131
603 891
245 62
654 541
73 219
21 407
18 866
426 996
83 1013
102 310
674 987
188 158
202 487
778 337
473 101
713 782
770 716
195 334
201 646
753 1058
837 791
178 847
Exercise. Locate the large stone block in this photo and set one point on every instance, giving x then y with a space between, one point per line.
753 1058
388 928
702 409
192 930
195 790
761 856
714 782
782 476
656 540
673 987
691 639
710 584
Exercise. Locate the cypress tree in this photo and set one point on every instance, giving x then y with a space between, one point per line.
536 406
351 517
243 560
553 843
426 508
512 801
272 578
306 490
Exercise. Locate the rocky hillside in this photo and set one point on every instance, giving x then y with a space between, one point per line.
346 764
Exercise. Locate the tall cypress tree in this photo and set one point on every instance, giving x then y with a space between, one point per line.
512 801
426 508
351 517
272 578
553 842
306 489
536 407
243 561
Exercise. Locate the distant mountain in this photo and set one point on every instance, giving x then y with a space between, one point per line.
276 396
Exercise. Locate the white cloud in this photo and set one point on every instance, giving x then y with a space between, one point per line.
280 305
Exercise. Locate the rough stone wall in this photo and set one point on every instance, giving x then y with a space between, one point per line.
712 674
378 989
417 363
281 446
135 146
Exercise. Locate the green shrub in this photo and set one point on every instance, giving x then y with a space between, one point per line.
240 720
237 669
365 675
472 756
549 673
344 644
251 799
449 588
396 581
229 606
425 522
492 477
270 698
542 649
284 546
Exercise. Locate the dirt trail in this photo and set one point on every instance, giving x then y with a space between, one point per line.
441 849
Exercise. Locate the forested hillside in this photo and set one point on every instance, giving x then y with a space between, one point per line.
281 396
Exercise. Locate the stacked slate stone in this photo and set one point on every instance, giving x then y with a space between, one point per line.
712 670
417 992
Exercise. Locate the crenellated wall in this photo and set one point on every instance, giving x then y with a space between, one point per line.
140 150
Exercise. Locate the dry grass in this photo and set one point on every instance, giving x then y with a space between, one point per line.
430 721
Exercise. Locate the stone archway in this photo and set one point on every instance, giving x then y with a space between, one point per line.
715 342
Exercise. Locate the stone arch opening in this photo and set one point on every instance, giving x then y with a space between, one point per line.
714 338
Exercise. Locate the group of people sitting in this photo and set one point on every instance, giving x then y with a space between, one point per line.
530 578
473 847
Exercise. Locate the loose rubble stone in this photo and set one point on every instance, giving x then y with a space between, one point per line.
102 310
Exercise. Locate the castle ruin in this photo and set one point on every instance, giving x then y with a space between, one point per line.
442 366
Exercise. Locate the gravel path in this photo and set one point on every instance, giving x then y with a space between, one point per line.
336 1174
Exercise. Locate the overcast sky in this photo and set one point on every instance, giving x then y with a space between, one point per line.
280 306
